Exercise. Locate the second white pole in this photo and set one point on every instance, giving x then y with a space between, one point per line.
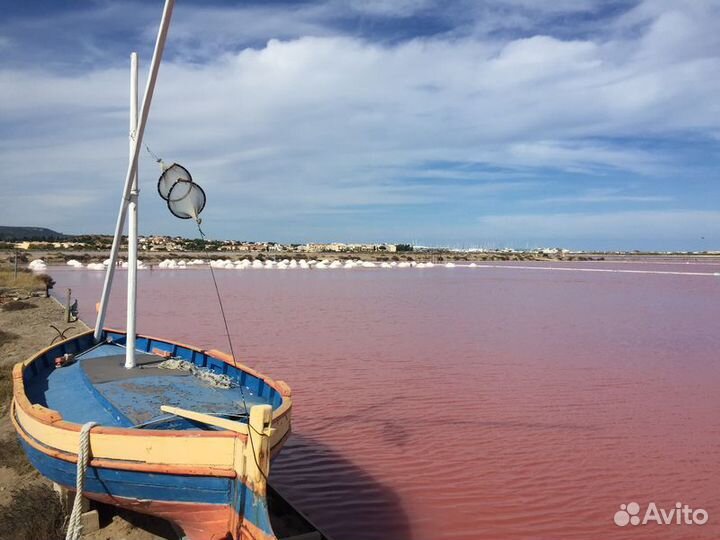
137 144
132 222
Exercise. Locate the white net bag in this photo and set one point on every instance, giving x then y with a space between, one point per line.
170 176
186 200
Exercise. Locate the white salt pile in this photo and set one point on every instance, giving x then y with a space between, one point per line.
37 265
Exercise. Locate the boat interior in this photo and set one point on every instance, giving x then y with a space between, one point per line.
97 387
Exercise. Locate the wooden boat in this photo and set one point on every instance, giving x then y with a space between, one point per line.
211 480
150 424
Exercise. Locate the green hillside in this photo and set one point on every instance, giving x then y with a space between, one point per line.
18 234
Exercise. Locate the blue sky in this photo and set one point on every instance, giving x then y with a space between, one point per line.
577 123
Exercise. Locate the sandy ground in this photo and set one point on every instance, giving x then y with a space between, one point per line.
30 330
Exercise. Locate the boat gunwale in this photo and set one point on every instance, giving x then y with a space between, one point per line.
119 464
53 417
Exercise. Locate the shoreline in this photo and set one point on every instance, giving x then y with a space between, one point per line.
282 260
55 257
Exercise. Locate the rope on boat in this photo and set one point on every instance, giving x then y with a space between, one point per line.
60 335
74 530
230 343
219 297
217 380
153 154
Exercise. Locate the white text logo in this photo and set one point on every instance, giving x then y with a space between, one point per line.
680 514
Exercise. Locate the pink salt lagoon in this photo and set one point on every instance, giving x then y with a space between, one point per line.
471 403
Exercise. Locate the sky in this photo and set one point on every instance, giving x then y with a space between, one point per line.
586 124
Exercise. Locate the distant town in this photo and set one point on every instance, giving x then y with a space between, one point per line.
41 239
177 243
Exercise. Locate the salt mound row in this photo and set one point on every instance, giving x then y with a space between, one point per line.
140 265
324 264
257 264
171 264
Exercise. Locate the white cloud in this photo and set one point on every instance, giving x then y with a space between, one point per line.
583 157
395 8
600 196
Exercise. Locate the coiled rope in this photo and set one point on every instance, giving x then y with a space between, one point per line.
216 380
74 530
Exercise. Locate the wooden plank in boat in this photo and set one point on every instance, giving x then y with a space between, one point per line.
112 368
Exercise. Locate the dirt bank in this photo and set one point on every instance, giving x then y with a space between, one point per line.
29 508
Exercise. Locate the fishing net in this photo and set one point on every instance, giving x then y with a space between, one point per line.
170 176
185 198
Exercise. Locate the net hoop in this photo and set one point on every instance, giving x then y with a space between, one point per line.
179 192
170 176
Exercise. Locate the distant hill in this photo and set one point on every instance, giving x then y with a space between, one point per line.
29 233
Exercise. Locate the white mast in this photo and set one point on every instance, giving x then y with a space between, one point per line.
132 167
132 222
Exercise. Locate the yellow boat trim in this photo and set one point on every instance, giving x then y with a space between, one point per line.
168 450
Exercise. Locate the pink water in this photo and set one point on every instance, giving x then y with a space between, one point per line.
469 404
